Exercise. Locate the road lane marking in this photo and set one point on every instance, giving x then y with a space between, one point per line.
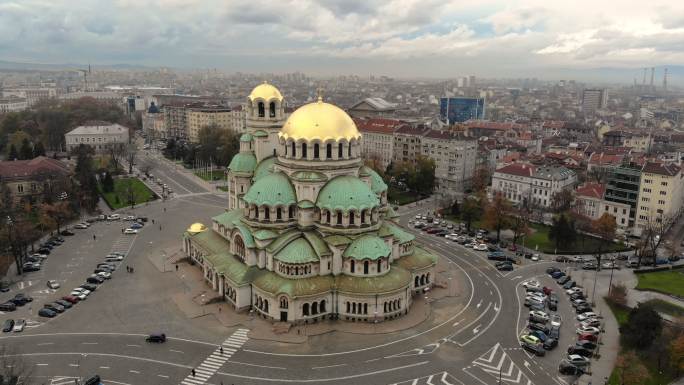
134 371
42 364
133 346
74 365
216 359
45 343
104 367
162 376
89 343
328 366
175 351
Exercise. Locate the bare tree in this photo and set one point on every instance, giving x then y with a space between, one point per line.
146 168
116 152
13 368
652 237
131 153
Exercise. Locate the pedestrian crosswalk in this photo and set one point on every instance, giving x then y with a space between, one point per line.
62 380
442 378
217 358
497 364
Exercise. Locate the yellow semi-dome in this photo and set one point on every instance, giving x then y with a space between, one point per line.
319 120
265 91
196 228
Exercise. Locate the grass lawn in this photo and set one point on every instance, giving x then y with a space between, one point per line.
665 307
119 197
222 188
620 312
395 196
583 244
215 175
666 282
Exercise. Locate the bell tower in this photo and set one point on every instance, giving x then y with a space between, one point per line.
265 117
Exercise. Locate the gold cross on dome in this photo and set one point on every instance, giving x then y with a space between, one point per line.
319 94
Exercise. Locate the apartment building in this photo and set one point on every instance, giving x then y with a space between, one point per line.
455 157
590 202
378 138
660 194
101 136
526 184
31 180
200 116
31 94
12 104
408 143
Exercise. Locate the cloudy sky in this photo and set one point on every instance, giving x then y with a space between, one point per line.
425 38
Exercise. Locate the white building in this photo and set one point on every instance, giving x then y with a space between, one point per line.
455 157
99 135
31 94
12 104
378 139
660 195
526 184
590 202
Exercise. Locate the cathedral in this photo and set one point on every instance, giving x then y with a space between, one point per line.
308 234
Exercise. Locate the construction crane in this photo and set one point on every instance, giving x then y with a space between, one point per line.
85 76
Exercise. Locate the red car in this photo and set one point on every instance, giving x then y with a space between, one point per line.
512 247
587 337
547 290
71 298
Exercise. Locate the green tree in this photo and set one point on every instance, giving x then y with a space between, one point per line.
38 150
108 182
643 326
455 209
562 231
629 369
13 154
85 177
422 180
25 151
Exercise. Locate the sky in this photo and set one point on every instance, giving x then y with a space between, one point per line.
401 38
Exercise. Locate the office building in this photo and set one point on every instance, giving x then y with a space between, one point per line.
101 136
12 104
594 99
455 157
660 195
623 187
459 110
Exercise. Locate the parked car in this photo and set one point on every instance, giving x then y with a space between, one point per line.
556 320
19 326
71 298
563 280
80 226
539 316
95 279
129 218
131 231
551 270
568 369
539 334
569 284
136 225
531 283
21 299
156 337
578 360
52 284
89 286
67 233
105 274
113 217
8 306
46 313
587 337
580 351
505 267
537 326
57 308
583 309
530 339
537 350
587 315
588 330
586 344
30 266
550 343
557 274
590 322
65 304
562 258
8 325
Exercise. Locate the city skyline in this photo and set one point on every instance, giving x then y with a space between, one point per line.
605 41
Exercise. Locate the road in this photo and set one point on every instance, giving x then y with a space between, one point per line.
468 339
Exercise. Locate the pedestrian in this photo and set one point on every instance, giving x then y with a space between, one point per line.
176 267
122 230
164 209
159 227
153 221
219 309
94 237
221 348
193 372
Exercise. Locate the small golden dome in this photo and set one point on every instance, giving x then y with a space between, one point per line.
319 120
196 228
265 91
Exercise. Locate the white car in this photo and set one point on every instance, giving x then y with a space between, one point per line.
81 290
537 295
573 291
556 320
595 322
129 218
539 315
588 330
114 258
80 226
578 360
39 256
105 275
418 216
113 217
19 326
531 283
52 284
535 257
587 315
78 294
131 231
480 247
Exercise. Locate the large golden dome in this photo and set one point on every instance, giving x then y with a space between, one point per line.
319 120
265 91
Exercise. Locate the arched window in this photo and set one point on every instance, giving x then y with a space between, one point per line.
305 309
348 307
279 214
322 309
354 307
379 265
239 247
339 151
339 217
327 217
365 308
266 306
283 303
365 267
417 282
349 150
314 308
384 307
297 270
328 151
261 109
316 151
352 267
304 150
363 216
427 278
291 212
294 150
267 213
422 280
271 110
352 217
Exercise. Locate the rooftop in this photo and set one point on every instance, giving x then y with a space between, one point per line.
37 166
668 169
98 127
591 190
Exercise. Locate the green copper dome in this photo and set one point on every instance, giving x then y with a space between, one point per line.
265 167
346 193
271 190
377 184
367 247
297 251
246 137
243 162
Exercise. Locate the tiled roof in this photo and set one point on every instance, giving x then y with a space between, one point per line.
591 190
27 168
447 135
407 129
669 169
493 125
98 127
519 169
606 158
378 125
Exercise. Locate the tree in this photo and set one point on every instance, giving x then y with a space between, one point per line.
481 178
25 151
423 179
38 150
13 369
630 370
88 194
108 182
131 153
652 237
618 294
470 211
643 326
562 231
13 154
561 200
519 223
455 209
604 228
677 354
58 211
496 214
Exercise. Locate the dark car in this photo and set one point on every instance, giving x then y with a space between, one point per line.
580 351
21 299
57 308
67 233
550 343
557 274
43 250
554 333
577 295
102 270
553 306
562 258
8 325
94 380
537 306
45 312
569 369
539 334
27 267
156 337
142 219
8 306
4 287
537 350
89 286
552 270
589 345
66 304
95 280
569 285
535 326
505 267
583 309
563 280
